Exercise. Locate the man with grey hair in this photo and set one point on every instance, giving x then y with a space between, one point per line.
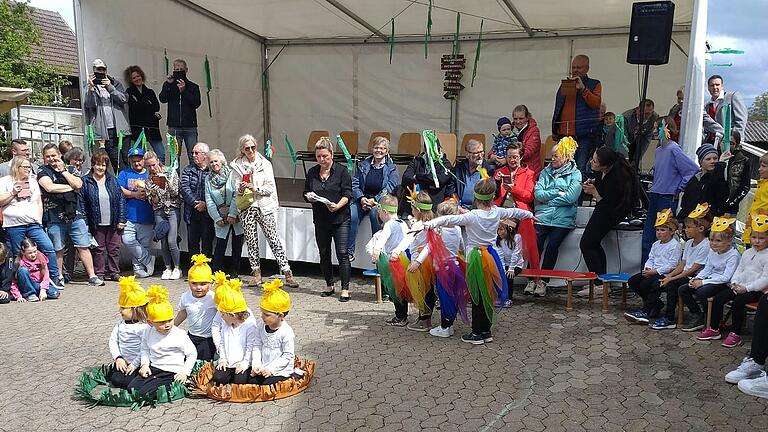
19 147
183 99
199 222
468 174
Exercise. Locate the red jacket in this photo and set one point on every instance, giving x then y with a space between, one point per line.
530 136
522 191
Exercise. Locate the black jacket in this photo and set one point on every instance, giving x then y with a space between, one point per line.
6 275
708 188
181 106
142 106
417 172
739 181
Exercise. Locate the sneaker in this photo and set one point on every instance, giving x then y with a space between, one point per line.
351 257
583 293
709 334
61 282
732 340
33 298
385 297
141 274
487 337
473 339
694 324
755 386
597 292
748 369
114 277
442 332
151 265
663 324
506 304
175 274
397 322
540 290
95 281
421 325
166 274
636 317
529 288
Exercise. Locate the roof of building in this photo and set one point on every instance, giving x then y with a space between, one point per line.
757 132
58 45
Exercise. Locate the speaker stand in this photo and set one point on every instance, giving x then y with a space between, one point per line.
640 120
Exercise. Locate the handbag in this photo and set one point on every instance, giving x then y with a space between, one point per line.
244 200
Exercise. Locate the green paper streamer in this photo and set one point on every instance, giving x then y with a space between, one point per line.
428 34
208 84
391 39
347 155
456 35
144 141
173 150
433 154
91 138
268 151
139 139
477 53
727 128
290 151
119 140
165 55
725 51
621 144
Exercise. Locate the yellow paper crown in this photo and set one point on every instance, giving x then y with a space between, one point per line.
159 308
720 224
219 280
275 300
483 173
131 293
566 148
229 297
200 270
760 223
701 210
663 217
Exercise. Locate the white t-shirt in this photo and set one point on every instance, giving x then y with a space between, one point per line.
274 350
236 344
125 341
23 211
172 352
200 313
695 254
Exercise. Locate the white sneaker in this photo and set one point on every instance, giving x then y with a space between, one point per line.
529 288
176 274
151 265
442 332
541 289
748 369
597 292
755 386
166 274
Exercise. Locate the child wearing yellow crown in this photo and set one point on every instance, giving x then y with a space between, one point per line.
237 335
760 201
273 345
695 254
748 284
125 340
197 307
167 354
722 261
662 259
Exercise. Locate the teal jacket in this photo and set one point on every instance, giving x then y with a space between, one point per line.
554 208
214 198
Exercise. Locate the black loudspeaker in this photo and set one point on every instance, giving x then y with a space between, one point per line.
650 32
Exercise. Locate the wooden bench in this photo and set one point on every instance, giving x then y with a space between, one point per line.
377 282
607 280
568 276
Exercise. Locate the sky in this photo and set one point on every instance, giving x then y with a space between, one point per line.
737 24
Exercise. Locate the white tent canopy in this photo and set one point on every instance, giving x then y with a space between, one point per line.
13 97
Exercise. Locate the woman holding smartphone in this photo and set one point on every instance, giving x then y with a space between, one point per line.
514 181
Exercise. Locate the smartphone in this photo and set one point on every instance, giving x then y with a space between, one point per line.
180 75
98 77
247 178
25 192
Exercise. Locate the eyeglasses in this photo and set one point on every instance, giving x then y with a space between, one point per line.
513 157
249 148
198 152
25 166
476 153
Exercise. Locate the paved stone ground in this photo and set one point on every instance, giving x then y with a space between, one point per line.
546 370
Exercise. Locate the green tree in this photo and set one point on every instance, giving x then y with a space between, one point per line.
759 109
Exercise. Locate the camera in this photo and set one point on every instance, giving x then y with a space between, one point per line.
98 77
179 75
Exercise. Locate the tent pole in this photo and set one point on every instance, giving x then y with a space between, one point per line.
693 104
346 11
454 114
518 16
265 91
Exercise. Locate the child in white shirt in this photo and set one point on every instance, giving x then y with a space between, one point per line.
273 355
510 247
125 340
196 306
237 335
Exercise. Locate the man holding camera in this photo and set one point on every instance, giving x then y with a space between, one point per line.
183 99
106 108
577 110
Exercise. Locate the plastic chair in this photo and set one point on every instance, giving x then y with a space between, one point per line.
408 146
448 143
351 141
309 154
469 136
546 150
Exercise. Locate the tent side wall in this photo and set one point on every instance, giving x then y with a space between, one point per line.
353 87
136 32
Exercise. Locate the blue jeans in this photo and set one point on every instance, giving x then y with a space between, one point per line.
357 214
187 136
656 203
584 153
159 148
36 233
168 244
554 236
137 238
28 286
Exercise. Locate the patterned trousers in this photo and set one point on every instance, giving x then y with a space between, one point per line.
253 216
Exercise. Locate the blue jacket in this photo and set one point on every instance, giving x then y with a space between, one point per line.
460 171
587 119
90 193
192 188
552 208
389 184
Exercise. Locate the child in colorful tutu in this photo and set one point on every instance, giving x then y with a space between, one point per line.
125 340
450 282
237 335
420 277
480 225
273 356
196 306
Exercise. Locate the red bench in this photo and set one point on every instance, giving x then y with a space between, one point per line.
568 276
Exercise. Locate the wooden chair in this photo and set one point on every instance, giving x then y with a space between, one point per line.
351 141
546 150
448 143
469 136
369 150
309 154
408 146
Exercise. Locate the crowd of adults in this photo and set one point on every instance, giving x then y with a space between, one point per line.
144 199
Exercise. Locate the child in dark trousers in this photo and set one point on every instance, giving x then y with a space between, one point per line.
662 259
6 275
695 255
750 375
748 284
722 261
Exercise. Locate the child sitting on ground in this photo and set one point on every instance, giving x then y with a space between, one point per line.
662 259
6 275
237 336
760 201
454 244
509 244
32 281
385 246
196 306
695 255
273 344
748 284
167 354
722 261
125 340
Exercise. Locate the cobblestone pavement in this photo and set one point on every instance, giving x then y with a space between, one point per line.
546 370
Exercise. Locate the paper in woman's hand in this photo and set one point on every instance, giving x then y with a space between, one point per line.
313 197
